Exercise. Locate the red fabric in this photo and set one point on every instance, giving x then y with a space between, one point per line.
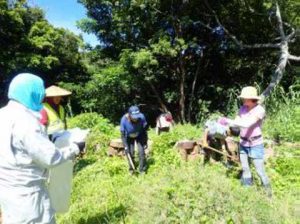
44 117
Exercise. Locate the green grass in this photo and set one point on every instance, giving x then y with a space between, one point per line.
174 191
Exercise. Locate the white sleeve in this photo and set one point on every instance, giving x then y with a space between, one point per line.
246 122
42 150
243 122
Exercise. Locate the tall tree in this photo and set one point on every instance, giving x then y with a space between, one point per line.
28 43
202 50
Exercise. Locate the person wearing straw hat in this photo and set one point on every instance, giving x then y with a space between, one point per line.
250 119
27 154
53 114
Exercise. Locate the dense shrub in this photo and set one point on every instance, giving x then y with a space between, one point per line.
283 114
101 130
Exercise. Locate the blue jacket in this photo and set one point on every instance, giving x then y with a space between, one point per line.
133 130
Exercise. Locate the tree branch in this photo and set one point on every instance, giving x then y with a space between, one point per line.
280 24
278 73
267 45
294 58
234 38
159 99
293 31
282 45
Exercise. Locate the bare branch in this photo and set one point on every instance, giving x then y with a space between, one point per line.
280 24
240 43
294 58
278 74
203 24
282 45
268 45
293 32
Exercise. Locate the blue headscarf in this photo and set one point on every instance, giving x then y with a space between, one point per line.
27 89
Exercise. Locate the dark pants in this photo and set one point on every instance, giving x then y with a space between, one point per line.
140 141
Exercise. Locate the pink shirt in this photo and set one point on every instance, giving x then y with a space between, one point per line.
254 130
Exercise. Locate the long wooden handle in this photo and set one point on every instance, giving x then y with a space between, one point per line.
220 152
130 160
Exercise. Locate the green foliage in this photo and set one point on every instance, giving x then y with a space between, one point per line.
285 170
91 121
171 46
108 92
165 48
283 112
28 43
101 130
163 152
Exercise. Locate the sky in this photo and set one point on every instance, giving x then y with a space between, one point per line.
65 13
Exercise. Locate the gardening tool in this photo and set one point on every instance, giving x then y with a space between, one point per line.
130 160
220 152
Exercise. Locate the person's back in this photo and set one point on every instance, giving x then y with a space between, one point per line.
164 123
215 136
14 161
26 154
132 129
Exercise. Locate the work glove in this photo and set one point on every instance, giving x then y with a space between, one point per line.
223 121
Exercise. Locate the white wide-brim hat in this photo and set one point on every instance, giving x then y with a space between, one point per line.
57 91
249 92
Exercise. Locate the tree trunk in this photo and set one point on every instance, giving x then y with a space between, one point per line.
160 101
192 97
181 90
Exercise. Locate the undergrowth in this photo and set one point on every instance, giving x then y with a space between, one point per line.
174 191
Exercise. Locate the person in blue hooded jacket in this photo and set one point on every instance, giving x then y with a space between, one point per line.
133 128
26 154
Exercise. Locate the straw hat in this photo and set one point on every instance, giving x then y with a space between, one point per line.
249 92
56 91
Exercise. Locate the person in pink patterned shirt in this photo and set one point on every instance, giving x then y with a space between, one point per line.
249 120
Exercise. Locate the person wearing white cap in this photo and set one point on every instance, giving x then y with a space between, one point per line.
53 113
250 119
26 155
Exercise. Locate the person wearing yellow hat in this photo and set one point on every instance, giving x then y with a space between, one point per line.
53 114
249 120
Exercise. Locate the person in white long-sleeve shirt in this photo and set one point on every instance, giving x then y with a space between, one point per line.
26 154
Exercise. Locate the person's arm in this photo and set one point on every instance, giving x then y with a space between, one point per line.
123 133
245 122
41 149
144 134
204 138
144 122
